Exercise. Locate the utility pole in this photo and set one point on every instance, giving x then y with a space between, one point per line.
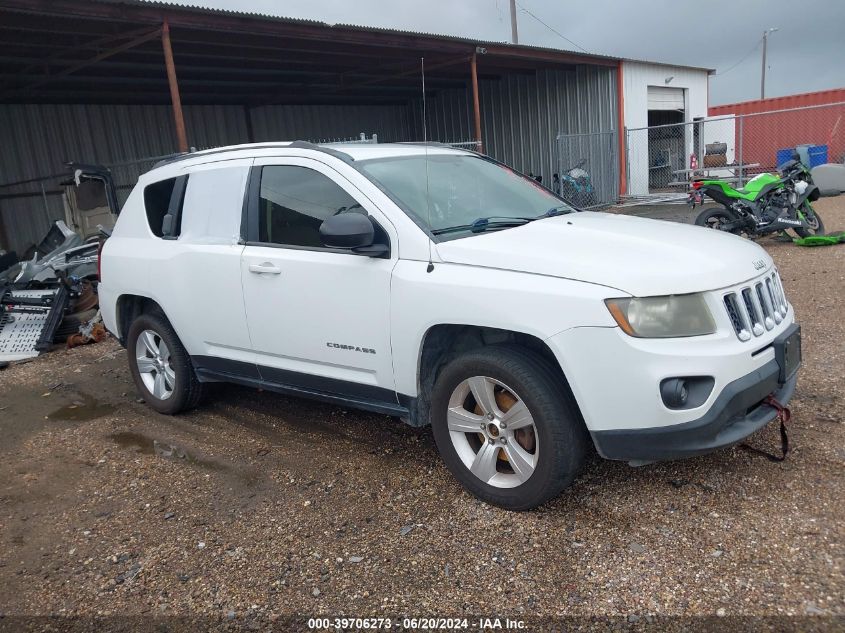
763 74
514 34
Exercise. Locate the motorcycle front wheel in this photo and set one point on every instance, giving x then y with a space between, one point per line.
718 219
814 224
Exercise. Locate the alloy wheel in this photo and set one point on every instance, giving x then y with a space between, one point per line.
152 357
493 432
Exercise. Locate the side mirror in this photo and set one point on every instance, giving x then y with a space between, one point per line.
347 230
354 231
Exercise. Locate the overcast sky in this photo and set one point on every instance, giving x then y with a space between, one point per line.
806 54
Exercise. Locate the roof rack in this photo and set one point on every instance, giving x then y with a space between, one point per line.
237 148
326 150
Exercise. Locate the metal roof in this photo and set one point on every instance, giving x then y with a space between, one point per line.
107 51
386 30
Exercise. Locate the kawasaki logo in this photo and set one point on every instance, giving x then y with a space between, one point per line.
792 222
759 264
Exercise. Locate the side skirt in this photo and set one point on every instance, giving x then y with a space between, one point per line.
337 392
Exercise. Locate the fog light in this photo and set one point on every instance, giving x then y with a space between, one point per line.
674 392
686 392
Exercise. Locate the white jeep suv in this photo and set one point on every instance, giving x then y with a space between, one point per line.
443 288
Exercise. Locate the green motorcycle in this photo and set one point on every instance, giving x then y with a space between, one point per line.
768 203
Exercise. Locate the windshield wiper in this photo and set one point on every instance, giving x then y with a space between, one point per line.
561 209
482 224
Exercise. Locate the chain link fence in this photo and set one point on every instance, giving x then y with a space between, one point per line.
663 159
588 169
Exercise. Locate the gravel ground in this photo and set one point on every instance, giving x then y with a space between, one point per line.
256 507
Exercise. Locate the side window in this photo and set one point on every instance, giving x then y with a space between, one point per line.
163 202
294 201
213 205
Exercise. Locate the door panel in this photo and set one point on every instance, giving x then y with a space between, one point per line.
203 275
318 318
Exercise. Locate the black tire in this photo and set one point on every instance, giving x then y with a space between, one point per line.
562 436
714 217
187 390
810 213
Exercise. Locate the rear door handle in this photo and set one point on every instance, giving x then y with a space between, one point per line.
265 268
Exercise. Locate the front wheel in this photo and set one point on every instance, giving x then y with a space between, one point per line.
814 224
506 428
720 219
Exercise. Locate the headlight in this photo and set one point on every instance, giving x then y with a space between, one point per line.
662 317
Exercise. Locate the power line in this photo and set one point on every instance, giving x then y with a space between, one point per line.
576 45
747 55
552 29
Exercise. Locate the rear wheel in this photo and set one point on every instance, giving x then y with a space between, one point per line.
506 428
160 366
814 226
720 219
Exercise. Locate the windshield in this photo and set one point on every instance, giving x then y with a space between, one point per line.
462 189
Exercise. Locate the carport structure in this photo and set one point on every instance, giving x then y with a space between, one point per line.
113 81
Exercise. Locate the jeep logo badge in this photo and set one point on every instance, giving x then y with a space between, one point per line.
759 264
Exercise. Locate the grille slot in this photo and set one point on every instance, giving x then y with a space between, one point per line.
756 308
779 294
768 319
753 312
738 319
775 305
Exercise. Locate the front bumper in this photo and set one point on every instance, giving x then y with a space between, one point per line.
737 412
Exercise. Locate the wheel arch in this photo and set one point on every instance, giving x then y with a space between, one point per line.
129 307
443 342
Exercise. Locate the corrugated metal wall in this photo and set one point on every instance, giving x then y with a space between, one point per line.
770 125
329 122
760 136
780 103
521 117
37 140
523 114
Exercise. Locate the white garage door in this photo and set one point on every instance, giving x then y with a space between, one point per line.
662 98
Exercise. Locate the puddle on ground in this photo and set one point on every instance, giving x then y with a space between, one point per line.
83 409
140 443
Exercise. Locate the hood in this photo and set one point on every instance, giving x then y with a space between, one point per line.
639 256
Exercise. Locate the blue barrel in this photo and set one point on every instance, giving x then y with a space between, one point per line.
784 155
810 155
817 155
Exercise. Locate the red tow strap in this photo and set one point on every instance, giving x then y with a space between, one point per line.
784 416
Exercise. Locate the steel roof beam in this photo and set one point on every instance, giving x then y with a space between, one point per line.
104 55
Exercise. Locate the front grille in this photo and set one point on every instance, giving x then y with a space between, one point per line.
757 308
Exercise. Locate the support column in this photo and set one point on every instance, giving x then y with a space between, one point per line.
178 118
475 103
621 131
250 133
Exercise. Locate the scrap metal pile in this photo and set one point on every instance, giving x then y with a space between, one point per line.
50 296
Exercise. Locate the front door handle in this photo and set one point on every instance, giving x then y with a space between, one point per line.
265 268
